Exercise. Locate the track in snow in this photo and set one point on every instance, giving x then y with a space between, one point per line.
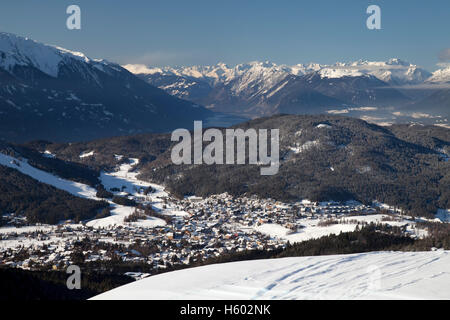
376 275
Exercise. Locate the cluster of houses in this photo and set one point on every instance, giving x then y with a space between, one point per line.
252 211
209 228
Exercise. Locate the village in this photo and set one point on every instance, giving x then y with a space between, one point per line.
209 227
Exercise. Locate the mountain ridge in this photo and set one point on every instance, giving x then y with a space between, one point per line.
247 88
52 93
223 72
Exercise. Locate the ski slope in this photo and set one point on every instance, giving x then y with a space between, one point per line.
127 178
74 188
122 177
375 275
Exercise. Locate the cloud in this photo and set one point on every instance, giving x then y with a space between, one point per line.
159 58
444 55
421 115
443 65
416 115
344 111
140 68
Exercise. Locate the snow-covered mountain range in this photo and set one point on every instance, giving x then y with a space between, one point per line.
393 71
47 92
52 93
263 88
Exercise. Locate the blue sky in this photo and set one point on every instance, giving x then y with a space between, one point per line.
191 32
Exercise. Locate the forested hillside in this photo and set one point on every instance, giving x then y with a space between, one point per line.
40 202
322 157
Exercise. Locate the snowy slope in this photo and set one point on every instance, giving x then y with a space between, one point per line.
393 71
51 93
120 178
254 77
313 230
377 275
124 177
75 188
26 52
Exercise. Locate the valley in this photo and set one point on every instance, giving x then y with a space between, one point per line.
394 91
163 232
360 186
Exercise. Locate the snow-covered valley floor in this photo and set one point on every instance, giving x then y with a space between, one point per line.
376 275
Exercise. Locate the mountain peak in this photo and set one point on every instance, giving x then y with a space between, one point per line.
441 75
399 62
48 92
22 51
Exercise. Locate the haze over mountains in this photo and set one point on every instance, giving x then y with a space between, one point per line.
263 88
